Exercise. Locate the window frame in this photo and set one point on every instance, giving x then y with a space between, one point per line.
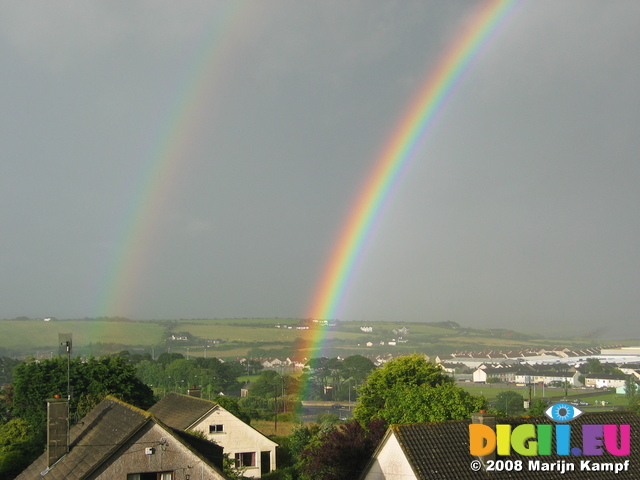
240 458
158 475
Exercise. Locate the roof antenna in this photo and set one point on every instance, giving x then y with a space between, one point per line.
65 342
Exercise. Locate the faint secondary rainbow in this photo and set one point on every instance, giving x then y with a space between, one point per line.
398 151
166 161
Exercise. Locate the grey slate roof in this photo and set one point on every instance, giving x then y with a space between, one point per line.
181 411
441 450
101 433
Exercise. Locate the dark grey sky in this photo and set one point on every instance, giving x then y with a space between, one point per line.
520 209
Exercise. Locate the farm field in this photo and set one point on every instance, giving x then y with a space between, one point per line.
268 428
34 334
32 337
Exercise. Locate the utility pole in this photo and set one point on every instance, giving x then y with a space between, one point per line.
275 408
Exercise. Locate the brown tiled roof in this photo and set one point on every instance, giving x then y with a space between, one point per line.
181 411
100 434
441 450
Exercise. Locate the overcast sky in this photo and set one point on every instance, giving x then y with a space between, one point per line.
520 210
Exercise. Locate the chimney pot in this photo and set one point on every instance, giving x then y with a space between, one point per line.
485 419
194 392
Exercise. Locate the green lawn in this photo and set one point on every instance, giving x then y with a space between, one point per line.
491 391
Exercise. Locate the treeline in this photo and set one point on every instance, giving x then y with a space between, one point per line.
172 372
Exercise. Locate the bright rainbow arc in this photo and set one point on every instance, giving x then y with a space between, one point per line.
397 153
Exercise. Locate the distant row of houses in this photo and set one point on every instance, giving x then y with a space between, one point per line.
288 364
543 375
531 356
555 356
307 324
187 337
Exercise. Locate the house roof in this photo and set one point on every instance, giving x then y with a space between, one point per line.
441 450
606 376
103 431
181 411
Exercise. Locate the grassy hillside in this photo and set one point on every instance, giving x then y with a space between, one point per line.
40 334
231 338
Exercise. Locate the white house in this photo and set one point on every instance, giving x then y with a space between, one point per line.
251 449
604 380
441 451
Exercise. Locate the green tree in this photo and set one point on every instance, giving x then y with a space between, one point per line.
357 367
6 369
537 407
631 387
340 453
267 385
426 403
509 403
19 443
634 404
90 382
384 383
593 365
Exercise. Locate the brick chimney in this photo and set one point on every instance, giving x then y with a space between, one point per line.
488 419
57 429
194 392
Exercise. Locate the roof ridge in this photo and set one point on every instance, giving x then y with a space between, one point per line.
138 410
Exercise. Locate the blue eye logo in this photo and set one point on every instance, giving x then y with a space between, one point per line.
563 412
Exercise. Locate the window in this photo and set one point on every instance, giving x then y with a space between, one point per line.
247 459
216 428
151 476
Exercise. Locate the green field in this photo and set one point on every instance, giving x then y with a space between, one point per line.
23 337
39 334
593 397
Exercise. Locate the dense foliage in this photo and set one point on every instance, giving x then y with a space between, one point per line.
509 403
6 369
173 372
89 382
333 379
426 403
340 453
271 393
385 386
